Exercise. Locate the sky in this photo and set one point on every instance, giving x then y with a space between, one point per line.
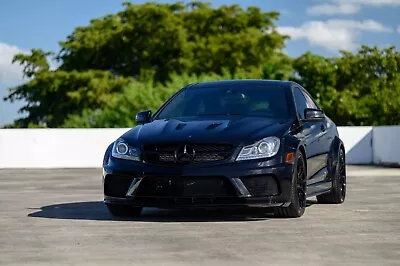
321 26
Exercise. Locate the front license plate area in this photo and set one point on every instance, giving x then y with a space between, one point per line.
182 187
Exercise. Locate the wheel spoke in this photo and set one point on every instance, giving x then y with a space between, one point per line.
301 186
342 176
300 172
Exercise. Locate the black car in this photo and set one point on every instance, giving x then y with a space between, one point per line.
233 143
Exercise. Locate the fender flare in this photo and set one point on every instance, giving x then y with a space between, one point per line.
333 156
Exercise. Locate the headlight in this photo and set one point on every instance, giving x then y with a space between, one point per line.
264 148
122 150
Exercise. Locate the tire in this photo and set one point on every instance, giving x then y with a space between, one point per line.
337 195
120 210
298 203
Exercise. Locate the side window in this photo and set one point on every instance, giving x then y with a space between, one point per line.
310 103
301 103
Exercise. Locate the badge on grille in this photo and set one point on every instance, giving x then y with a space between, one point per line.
184 154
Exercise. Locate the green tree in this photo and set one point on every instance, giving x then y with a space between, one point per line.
279 67
36 62
359 88
135 59
150 43
368 83
318 75
120 111
52 95
174 38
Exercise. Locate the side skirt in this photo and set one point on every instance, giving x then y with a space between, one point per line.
319 183
318 188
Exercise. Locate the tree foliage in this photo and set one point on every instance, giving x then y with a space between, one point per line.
174 38
138 96
52 95
148 43
135 59
354 89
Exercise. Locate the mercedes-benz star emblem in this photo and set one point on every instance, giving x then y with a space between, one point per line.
184 154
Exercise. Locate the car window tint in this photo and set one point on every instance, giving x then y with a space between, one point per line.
262 101
301 103
310 103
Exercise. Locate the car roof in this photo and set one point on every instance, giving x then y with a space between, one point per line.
241 82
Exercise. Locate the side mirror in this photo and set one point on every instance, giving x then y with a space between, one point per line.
143 117
312 115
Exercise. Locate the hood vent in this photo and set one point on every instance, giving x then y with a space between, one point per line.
213 125
180 126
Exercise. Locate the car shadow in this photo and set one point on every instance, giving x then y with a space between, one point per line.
96 210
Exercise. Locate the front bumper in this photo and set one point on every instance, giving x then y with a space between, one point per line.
248 183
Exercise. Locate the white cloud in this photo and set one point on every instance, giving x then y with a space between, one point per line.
372 2
9 72
12 72
333 35
365 25
346 7
398 29
332 9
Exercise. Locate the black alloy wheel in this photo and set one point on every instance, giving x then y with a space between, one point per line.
301 184
342 177
337 195
299 192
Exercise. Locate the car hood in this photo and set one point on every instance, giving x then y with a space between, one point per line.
233 130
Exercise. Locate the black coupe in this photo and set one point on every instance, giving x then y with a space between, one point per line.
231 143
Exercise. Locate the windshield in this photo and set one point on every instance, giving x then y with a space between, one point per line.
270 102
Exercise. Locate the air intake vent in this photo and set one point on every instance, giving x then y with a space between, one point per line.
117 186
261 185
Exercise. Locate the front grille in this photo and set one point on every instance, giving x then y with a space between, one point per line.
166 154
117 186
261 185
185 186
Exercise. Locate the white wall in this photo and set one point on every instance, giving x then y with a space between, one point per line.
386 145
357 143
55 148
84 148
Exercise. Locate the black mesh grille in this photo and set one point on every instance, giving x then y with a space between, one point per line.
261 185
185 186
117 186
165 154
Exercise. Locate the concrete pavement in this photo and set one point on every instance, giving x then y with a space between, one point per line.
56 217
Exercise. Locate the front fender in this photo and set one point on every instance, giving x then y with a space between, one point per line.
107 154
337 143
